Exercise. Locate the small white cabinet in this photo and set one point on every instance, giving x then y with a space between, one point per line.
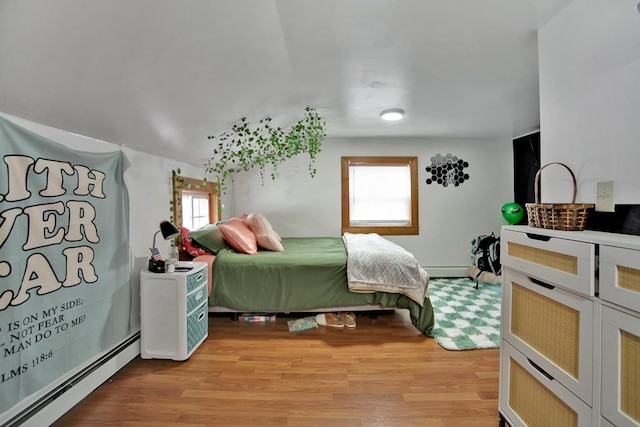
173 312
570 350
620 292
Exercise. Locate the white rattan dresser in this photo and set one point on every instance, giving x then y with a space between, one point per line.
570 349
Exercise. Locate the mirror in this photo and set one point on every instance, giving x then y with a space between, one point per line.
195 202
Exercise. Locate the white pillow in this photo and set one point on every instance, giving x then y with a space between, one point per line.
262 229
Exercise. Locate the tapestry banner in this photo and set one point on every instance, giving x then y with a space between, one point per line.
65 292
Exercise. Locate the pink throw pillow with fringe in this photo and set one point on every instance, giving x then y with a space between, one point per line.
188 245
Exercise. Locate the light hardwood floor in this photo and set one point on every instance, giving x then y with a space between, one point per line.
381 373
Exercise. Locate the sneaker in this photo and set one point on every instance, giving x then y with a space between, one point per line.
329 319
348 318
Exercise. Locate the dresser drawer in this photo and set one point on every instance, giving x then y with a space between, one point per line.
620 367
620 276
564 262
531 397
195 298
552 327
197 327
196 279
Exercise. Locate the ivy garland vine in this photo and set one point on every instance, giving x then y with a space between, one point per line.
248 146
175 177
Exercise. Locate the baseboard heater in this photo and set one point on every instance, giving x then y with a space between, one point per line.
62 397
454 271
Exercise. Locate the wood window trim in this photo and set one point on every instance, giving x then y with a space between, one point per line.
411 229
211 189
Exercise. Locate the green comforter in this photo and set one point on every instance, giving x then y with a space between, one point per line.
311 273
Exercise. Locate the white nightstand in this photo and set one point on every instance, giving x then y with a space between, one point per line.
173 312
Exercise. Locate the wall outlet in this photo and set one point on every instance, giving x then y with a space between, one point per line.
604 197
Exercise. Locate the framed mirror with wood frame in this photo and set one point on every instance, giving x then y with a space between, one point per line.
195 203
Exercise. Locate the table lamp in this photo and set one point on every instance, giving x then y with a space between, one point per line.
169 231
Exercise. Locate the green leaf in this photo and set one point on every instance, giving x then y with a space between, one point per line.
247 146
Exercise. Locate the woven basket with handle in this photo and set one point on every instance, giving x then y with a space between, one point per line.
557 216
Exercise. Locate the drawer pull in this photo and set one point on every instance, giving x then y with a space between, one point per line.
200 276
541 283
199 295
538 237
539 369
201 316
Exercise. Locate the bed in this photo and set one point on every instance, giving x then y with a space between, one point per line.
320 274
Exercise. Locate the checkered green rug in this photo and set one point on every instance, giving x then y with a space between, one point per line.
466 318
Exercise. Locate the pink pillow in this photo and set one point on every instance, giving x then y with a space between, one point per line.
239 236
261 228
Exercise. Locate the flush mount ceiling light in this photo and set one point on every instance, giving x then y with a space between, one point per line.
392 114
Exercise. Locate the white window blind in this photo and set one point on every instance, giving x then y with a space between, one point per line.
379 195
195 210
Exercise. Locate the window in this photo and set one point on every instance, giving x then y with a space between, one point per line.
195 209
195 202
380 195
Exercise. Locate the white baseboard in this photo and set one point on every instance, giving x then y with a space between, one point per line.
462 271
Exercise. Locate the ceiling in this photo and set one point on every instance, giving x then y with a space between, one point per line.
160 76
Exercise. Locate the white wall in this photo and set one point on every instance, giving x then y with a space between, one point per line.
148 180
298 205
589 59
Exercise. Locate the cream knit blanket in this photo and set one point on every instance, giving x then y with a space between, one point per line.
375 264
